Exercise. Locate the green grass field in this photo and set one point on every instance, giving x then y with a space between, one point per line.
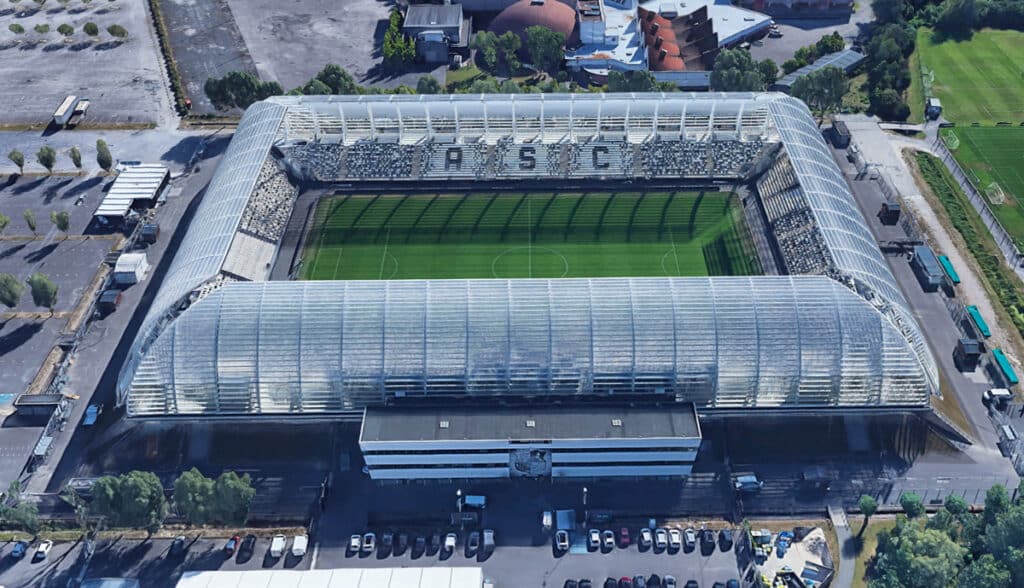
517 235
996 154
980 80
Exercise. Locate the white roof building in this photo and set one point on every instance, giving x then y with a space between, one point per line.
135 182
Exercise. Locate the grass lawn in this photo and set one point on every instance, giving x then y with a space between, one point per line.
856 99
870 536
979 80
915 93
520 235
996 154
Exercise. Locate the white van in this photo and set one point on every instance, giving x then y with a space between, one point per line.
299 545
277 546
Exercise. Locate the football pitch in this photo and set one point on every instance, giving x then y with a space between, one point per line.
523 235
996 154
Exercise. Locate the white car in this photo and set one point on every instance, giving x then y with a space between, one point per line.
594 539
355 542
609 539
369 542
562 540
43 550
645 537
675 538
660 538
299 545
449 541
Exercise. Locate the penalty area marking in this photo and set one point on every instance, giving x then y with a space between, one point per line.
530 250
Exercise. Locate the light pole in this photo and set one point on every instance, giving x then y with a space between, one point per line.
458 499
586 513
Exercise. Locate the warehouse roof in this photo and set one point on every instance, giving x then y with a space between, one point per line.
433 16
439 577
135 182
847 59
580 422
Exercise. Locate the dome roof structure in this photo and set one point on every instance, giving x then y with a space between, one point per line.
552 14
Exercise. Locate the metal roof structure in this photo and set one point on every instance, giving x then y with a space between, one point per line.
847 59
439 577
135 182
210 346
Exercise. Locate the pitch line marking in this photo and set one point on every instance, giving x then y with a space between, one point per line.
674 254
494 263
337 262
384 256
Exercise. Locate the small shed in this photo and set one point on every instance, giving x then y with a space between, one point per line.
130 268
135 185
840 135
437 28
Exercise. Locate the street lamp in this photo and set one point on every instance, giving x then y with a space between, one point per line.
458 499
586 513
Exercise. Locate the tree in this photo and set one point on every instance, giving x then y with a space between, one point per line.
315 87
632 81
830 43
911 556
1004 539
103 157
912 505
338 80
509 44
509 87
61 220
11 290
18 159
398 50
735 71
46 157
984 572
76 157
66 30
544 46
791 65
14 511
30 220
868 505
889 11
135 500
997 502
42 29
769 71
888 104
118 31
485 43
429 85
486 85
91 29
958 17
956 505
822 89
4 221
16 28
233 496
44 291
239 89
193 497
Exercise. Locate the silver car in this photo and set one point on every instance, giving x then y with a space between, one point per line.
660 538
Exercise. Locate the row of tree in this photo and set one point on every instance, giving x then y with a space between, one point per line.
954 547
44 291
887 65
47 157
399 50
90 28
736 71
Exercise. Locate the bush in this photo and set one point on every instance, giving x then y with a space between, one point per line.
42 29
117 31
16 28
66 30
91 29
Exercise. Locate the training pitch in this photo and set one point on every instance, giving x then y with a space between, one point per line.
995 154
523 235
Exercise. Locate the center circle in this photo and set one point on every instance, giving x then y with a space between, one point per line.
516 262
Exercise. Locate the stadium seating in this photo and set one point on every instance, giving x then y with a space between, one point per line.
270 205
727 157
791 221
318 161
379 160
473 162
674 158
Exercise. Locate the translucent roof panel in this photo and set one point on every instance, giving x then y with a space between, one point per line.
329 347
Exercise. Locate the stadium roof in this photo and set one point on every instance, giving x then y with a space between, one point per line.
847 59
793 341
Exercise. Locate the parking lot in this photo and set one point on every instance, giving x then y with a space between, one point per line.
122 78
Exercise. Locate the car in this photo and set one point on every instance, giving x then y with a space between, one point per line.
403 542
645 537
689 538
449 541
707 538
586 583
774 34
232 545
299 545
669 582
732 584
387 540
420 544
725 539
675 538
20 549
608 539
473 544
562 540
488 540
748 483
369 542
488 583
624 539
571 584
177 546
660 538
654 581
277 544
248 546
594 539
692 584
92 414
435 542
611 583
639 582
42 550
354 542
625 583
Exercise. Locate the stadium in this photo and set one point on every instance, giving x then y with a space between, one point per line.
558 285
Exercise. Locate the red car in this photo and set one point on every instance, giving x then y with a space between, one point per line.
232 545
624 537
625 582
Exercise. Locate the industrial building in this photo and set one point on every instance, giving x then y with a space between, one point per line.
221 341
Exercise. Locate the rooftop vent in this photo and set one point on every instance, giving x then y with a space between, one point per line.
443 424
531 423
616 422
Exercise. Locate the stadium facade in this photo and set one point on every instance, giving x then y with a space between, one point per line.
220 340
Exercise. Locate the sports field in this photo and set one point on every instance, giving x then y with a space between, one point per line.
518 235
995 154
980 80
